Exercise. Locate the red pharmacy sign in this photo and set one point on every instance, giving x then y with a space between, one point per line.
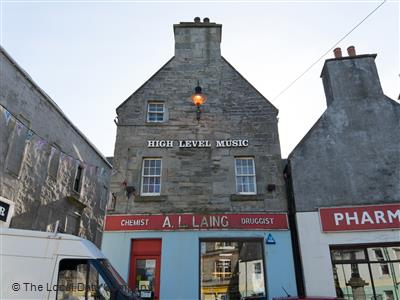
195 222
351 218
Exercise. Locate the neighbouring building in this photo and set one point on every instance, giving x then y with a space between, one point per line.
344 187
50 174
199 208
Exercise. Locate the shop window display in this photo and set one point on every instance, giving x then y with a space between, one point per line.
232 270
365 272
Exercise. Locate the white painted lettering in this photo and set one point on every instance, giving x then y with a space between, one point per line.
379 217
167 222
194 222
224 221
215 221
2 211
338 217
231 143
204 222
366 218
353 218
220 144
392 216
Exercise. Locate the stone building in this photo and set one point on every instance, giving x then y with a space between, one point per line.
344 183
191 178
49 171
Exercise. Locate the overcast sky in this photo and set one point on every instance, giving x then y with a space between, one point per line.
90 56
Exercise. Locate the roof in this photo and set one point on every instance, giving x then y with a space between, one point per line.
38 234
53 104
223 59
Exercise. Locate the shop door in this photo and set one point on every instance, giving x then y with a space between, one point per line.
145 268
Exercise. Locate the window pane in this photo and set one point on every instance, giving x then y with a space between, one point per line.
232 270
352 281
72 274
147 163
251 184
151 188
384 253
152 117
158 163
97 287
386 277
348 254
146 171
145 277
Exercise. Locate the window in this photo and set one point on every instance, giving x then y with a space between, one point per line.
245 175
389 295
155 112
224 245
78 178
54 161
151 176
16 149
375 267
257 268
232 272
81 279
222 268
379 257
104 198
112 200
72 223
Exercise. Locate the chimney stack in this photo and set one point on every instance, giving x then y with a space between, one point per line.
198 40
351 51
350 78
337 52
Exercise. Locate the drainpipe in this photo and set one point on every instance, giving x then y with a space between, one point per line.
298 267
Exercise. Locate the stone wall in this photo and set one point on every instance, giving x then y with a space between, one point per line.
198 179
39 157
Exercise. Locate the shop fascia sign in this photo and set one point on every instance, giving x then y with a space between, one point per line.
353 218
197 143
6 212
171 222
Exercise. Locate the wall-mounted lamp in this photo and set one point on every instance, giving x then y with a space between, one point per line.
198 99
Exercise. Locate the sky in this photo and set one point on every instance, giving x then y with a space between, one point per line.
89 56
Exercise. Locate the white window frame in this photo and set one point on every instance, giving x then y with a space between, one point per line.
249 175
155 112
143 176
223 268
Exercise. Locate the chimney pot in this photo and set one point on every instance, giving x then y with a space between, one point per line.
337 52
197 20
351 51
206 20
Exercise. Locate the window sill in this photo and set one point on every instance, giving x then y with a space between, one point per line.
76 194
150 198
249 197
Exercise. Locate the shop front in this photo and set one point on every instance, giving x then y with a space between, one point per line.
207 257
351 252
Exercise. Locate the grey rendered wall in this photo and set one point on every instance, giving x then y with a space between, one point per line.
351 156
40 200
